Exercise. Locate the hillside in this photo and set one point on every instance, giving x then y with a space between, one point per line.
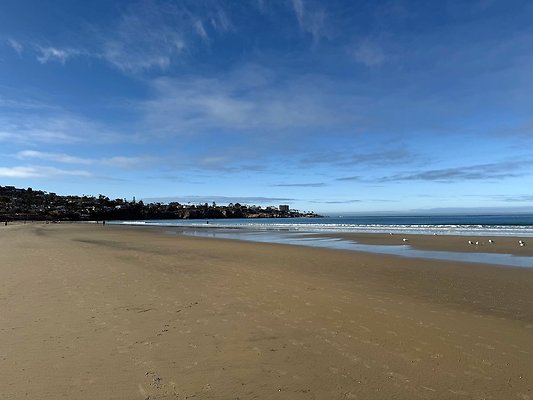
29 204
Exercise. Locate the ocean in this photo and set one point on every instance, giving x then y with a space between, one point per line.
463 225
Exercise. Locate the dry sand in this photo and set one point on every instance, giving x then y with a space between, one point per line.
93 312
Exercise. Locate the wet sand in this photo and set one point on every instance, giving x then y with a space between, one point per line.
111 312
501 245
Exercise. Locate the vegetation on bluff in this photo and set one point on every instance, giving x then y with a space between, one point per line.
29 204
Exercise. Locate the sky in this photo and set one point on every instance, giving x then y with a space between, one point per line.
331 106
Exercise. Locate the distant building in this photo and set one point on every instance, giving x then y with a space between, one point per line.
284 208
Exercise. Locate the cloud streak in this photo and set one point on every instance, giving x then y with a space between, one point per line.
485 172
15 45
311 19
116 161
56 157
354 178
24 172
54 126
50 54
312 185
349 158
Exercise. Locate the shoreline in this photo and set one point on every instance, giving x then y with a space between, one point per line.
505 252
454 243
119 312
437 247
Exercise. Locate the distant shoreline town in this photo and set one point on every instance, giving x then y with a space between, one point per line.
28 205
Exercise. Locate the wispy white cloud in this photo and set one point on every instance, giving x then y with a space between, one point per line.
7 103
482 172
199 27
54 127
154 34
15 45
39 172
213 161
116 161
220 21
126 162
57 157
368 53
149 35
311 19
31 120
347 158
15 134
528 198
250 98
144 39
300 185
55 54
298 6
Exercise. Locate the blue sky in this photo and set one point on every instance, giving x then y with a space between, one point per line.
332 106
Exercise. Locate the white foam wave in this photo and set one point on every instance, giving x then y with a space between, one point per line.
425 229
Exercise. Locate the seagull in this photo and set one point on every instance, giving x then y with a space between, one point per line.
405 240
390 233
521 242
470 242
477 243
491 241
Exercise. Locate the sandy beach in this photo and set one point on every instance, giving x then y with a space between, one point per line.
109 312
